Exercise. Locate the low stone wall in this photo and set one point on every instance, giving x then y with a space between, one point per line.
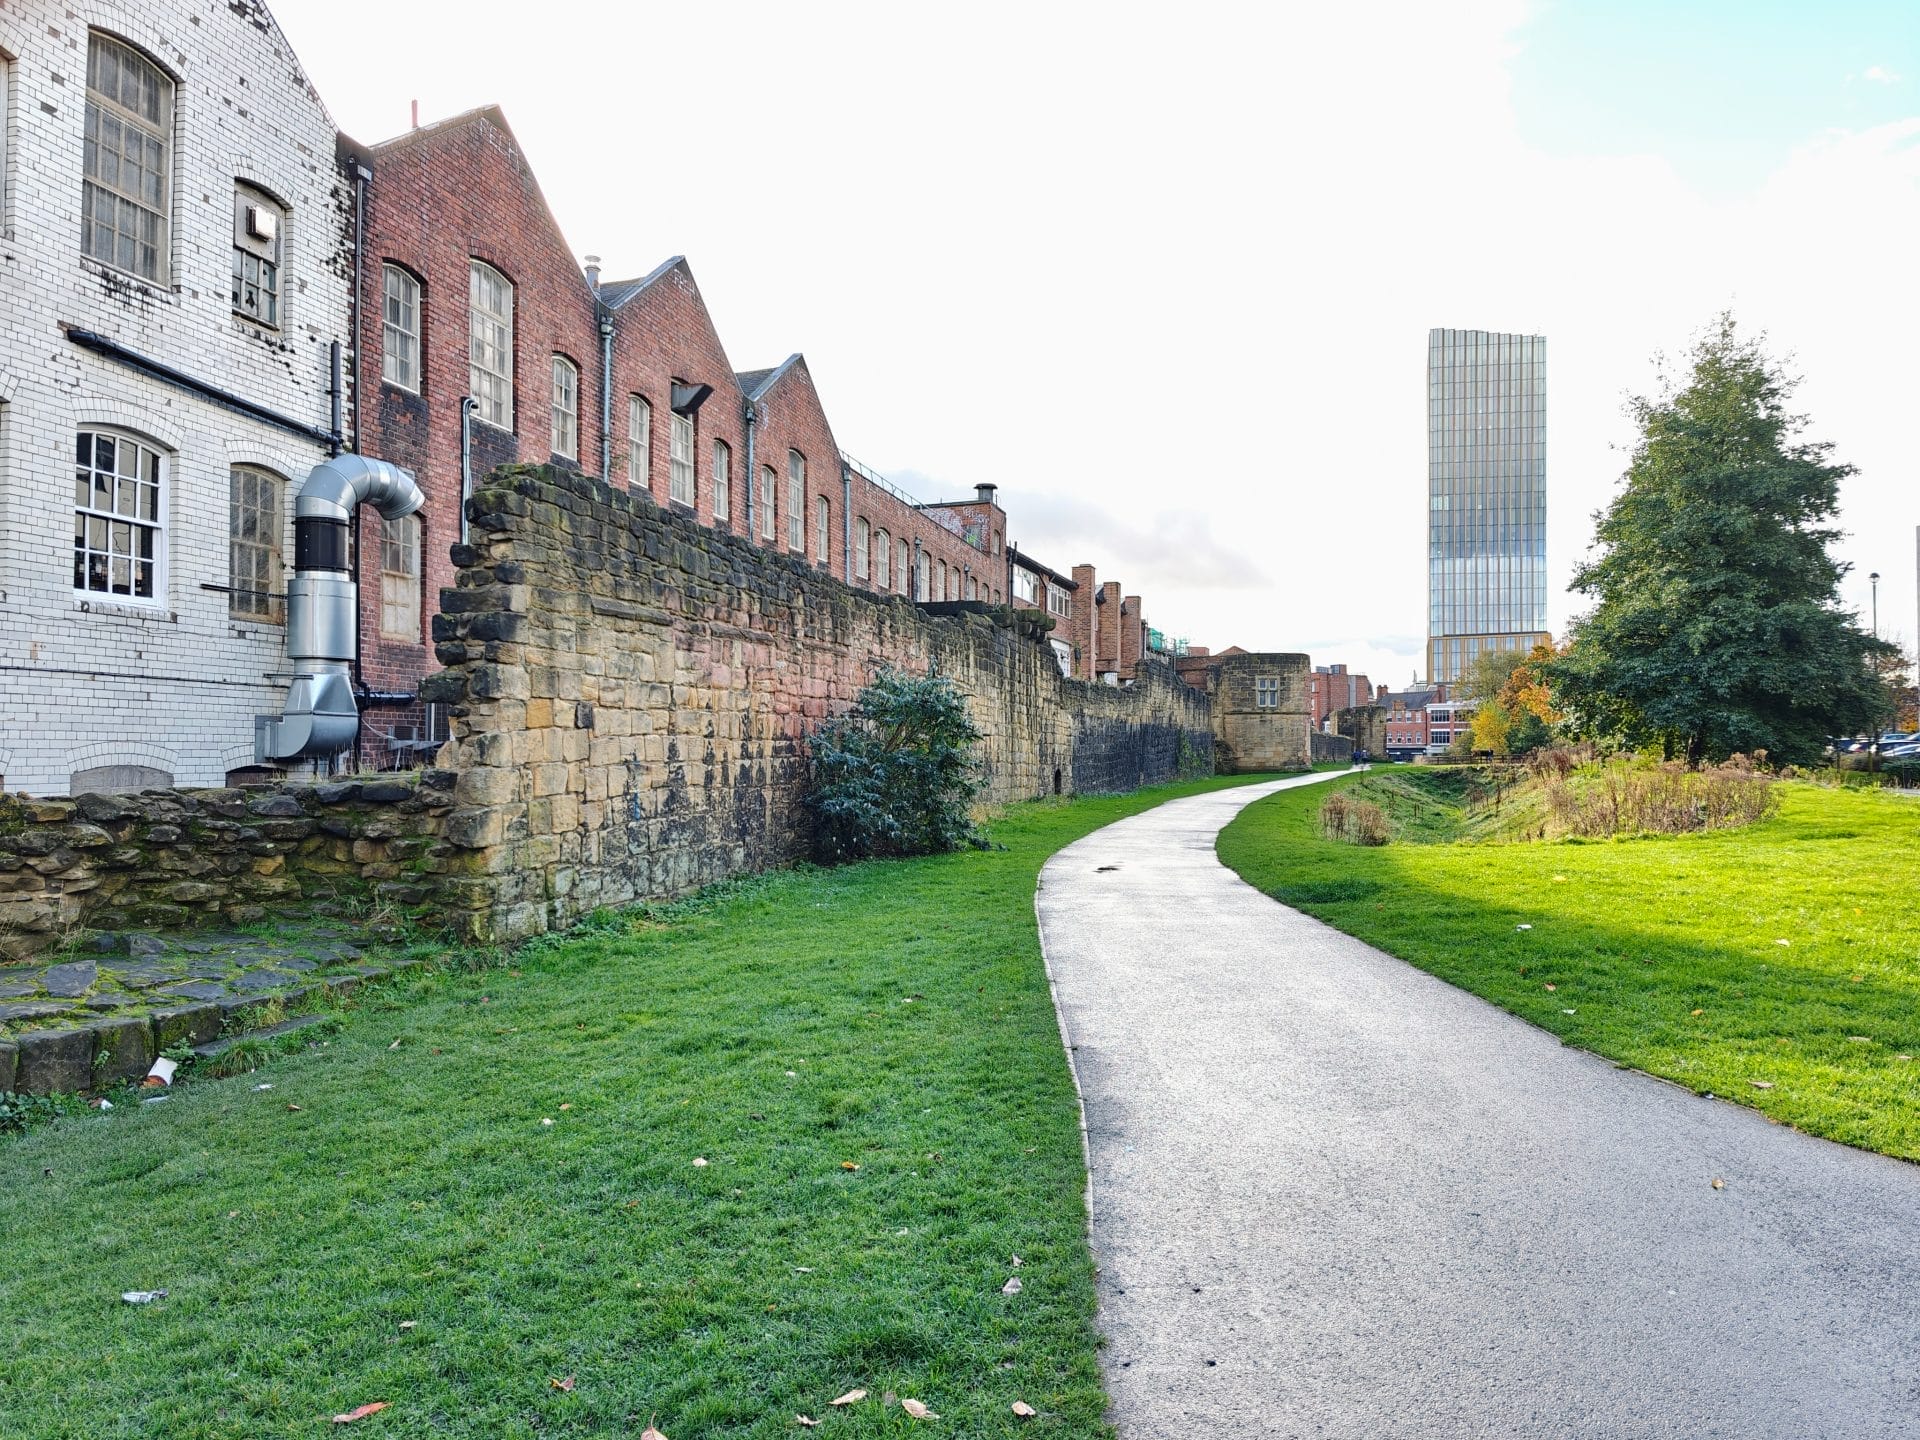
1330 747
631 693
167 859
1365 726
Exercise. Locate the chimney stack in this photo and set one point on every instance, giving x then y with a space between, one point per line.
985 493
593 273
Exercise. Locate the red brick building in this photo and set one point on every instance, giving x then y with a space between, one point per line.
1331 688
483 341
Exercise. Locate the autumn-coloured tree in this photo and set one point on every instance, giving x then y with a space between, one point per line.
1516 715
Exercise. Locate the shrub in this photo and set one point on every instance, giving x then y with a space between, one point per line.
1357 822
1620 797
896 775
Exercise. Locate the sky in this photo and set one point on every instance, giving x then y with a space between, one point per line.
1165 274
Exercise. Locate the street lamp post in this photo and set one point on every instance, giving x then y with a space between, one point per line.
1874 580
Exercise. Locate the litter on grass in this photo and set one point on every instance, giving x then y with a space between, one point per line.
161 1073
142 1297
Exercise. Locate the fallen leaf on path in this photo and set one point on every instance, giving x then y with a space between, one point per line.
848 1165
1016 1262
292 1106
564 1383
852 1397
1761 1084
1024 1410
917 1410
1718 1183
650 1433
360 1413
806 1420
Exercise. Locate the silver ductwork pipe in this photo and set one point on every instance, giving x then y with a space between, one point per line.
323 607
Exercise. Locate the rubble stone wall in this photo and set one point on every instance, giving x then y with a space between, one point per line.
631 691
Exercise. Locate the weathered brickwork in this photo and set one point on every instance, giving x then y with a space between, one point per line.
170 681
1365 726
631 693
180 858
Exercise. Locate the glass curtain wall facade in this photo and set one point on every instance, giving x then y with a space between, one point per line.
1486 496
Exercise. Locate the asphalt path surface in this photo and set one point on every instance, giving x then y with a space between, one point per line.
1334 1196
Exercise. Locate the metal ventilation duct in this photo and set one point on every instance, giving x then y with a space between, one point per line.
323 606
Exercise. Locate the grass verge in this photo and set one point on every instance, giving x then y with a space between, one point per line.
1776 965
484 1186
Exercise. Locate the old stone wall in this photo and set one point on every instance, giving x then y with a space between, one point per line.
163 859
1260 708
1330 747
631 692
1365 726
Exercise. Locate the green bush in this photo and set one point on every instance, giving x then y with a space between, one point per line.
897 774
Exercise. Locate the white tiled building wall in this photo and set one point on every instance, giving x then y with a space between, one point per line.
172 684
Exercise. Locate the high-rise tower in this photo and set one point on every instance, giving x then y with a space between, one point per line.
1486 496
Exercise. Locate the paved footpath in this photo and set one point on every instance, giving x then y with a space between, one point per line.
1333 1196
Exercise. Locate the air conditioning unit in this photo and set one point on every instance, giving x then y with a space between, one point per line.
262 223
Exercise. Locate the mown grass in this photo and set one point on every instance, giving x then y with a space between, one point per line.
1663 953
396 1220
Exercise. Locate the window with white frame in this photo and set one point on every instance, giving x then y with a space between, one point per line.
119 517
490 345
796 500
769 484
258 223
1266 692
1023 585
399 328
722 481
400 578
253 544
904 566
639 442
940 580
680 459
1059 601
862 549
923 573
882 560
566 408
973 588
822 527
127 160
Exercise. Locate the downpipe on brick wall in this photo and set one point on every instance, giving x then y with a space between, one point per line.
323 607
753 476
846 523
466 461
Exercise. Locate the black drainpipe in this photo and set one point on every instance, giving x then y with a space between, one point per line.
846 523
753 475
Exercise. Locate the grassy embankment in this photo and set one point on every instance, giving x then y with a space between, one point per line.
1777 965
485 1183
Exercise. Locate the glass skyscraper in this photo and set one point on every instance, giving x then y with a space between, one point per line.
1486 496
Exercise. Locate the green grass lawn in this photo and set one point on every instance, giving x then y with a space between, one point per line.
1663 953
485 1182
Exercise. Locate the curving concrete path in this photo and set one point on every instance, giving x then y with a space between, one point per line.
1333 1196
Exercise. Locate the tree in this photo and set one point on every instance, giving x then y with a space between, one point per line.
896 775
1717 626
1513 712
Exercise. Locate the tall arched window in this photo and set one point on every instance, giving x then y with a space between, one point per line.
124 202
566 408
822 527
903 568
119 517
922 575
399 328
861 549
769 483
722 481
639 442
882 560
796 501
253 544
490 345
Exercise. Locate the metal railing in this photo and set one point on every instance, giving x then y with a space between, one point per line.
938 514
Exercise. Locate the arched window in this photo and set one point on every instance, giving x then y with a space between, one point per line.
722 481
769 483
861 549
903 568
822 527
566 408
490 345
680 478
796 500
400 578
399 328
119 517
923 573
124 202
253 544
882 560
258 222
639 442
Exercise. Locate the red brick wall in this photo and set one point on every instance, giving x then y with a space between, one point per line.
441 197
1133 636
1085 628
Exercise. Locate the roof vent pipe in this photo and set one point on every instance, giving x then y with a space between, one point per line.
984 494
323 606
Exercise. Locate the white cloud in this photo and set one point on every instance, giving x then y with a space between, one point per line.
1881 75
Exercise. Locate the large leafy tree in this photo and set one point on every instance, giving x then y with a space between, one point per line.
1717 626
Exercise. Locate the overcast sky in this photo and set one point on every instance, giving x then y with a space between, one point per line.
1165 274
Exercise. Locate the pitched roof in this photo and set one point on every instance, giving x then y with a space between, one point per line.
615 293
755 383
493 114
1027 562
